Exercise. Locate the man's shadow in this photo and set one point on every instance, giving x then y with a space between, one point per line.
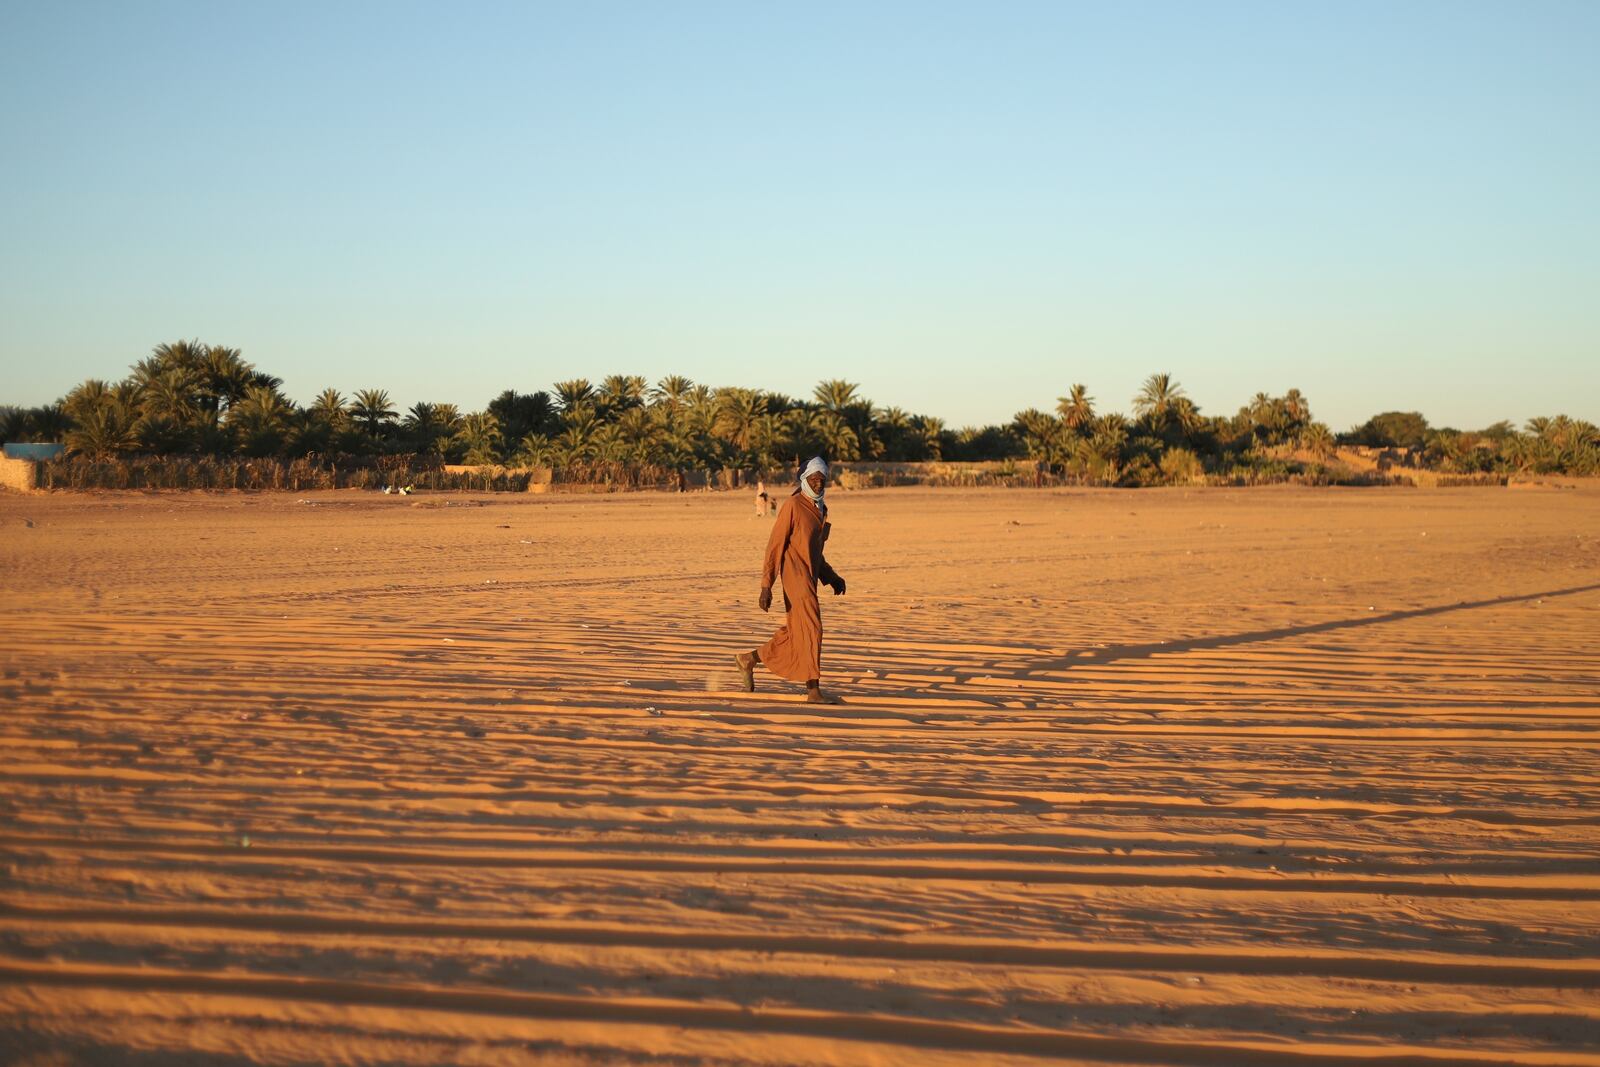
1115 653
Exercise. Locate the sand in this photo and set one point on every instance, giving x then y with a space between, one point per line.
1270 776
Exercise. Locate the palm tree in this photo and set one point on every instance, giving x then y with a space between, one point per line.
619 392
520 414
329 409
447 421
262 404
1076 408
1187 415
1280 423
799 433
1260 408
892 426
535 450
149 369
1298 408
48 422
1112 423
181 366
170 395
127 394
835 395
13 423
259 420
1498 431
423 426
103 428
608 444
1156 398
1101 454
838 440
162 434
571 394
188 355
577 440
309 433
859 414
1317 439
1559 432
931 432
1039 432
671 390
85 397
373 411
766 440
736 415
480 437
224 376
701 397
641 428
696 422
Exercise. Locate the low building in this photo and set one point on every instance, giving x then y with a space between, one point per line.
34 451
19 465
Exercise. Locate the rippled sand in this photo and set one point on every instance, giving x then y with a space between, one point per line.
1273 776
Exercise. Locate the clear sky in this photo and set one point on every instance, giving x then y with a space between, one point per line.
965 207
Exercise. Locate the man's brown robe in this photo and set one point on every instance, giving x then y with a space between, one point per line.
794 551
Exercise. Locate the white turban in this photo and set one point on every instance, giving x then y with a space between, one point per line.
817 465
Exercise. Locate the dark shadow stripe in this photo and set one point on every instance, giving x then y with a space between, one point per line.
1181 961
918 1033
1117 653
257 855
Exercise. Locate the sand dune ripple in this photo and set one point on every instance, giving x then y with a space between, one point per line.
1209 777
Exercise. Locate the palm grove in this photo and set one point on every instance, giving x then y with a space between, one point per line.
188 400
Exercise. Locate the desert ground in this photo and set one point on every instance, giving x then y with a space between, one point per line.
1264 776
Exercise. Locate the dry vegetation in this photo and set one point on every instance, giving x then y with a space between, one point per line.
200 416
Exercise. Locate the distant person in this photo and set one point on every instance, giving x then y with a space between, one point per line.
794 555
762 500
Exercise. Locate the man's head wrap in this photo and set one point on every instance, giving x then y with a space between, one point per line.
817 465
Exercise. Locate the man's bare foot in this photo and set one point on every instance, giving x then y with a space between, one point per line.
817 696
747 669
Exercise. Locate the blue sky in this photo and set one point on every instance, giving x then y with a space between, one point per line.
964 207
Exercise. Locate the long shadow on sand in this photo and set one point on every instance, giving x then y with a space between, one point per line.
1115 653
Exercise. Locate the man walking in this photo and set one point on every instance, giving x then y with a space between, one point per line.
794 555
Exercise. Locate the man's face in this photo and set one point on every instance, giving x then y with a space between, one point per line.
817 481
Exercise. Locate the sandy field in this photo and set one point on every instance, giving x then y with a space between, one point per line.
1257 777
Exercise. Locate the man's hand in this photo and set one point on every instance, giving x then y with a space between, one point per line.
838 585
765 599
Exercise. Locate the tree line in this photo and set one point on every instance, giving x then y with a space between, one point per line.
192 399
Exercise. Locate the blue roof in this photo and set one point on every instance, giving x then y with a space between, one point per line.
34 450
